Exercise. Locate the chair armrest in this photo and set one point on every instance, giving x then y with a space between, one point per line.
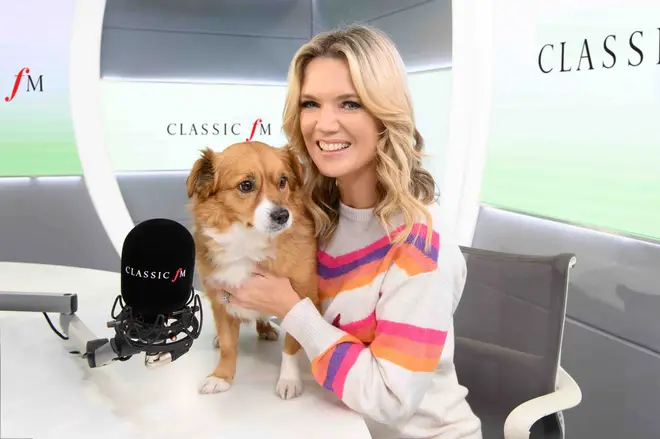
519 422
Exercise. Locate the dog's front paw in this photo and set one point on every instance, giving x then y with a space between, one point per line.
213 384
288 388
269 335
267 331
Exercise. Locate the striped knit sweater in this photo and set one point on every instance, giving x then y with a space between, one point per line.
384 341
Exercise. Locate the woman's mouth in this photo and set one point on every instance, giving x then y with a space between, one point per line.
332 146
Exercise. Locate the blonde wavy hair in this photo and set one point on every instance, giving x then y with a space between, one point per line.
379 77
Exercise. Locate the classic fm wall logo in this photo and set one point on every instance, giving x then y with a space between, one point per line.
257 127
602 54
30 86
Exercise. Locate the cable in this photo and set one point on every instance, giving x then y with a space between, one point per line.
63 337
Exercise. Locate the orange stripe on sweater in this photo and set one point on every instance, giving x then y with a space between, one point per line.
413 364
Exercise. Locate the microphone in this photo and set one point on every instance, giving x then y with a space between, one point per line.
158 302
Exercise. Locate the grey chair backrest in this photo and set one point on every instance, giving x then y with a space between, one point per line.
508 329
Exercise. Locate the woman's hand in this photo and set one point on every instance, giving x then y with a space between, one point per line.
264 292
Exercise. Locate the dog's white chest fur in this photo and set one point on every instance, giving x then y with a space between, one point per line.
243 249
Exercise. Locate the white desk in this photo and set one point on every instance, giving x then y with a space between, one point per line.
48 394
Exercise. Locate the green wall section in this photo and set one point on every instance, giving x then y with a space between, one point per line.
41 144
595 191
36 133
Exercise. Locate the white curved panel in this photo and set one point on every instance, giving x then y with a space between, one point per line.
84 87
480 114
470 114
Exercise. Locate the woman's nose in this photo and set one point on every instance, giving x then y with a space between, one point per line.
327 120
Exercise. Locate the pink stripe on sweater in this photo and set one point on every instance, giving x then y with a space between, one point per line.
364 329
358 324
411 332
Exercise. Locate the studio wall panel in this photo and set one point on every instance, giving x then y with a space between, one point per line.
154 195
620 386
331 13
265 18
430 45
614 285
422 30
52 221
254 41
166 56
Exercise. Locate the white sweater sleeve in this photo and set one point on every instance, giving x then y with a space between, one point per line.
387 378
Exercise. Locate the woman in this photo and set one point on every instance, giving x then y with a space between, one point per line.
389 278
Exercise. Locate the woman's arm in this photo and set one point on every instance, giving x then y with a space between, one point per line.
387 379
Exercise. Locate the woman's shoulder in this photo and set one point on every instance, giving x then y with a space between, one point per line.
440 223
451 263
443 263
441 229
448 252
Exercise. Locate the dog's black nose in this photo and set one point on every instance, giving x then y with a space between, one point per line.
280 216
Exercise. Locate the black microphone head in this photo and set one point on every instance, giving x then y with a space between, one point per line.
157 268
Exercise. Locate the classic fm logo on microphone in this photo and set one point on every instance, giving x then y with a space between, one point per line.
31 85
180 273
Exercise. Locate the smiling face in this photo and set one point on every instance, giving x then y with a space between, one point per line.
340 134
251 184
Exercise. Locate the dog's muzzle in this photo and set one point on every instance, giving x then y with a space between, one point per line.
279 216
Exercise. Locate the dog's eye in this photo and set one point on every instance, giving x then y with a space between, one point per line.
283 182
245 186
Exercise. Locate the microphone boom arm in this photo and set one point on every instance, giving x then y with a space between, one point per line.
98 351
81 340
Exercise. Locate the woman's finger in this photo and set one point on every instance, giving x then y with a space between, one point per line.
260 271
228 288
234 300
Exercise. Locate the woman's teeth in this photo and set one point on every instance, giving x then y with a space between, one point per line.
332 146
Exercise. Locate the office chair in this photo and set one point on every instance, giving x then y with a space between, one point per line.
508 328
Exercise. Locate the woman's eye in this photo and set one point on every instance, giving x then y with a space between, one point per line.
245 186
282 182
308 104
352 105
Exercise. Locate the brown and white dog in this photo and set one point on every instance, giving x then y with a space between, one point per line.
248 209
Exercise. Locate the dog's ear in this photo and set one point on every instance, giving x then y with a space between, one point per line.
294 164
203 178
